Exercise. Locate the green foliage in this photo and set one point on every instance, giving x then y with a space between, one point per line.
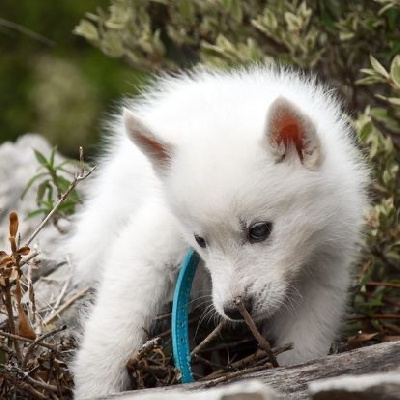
379 130
355 45
53 184
330 36
51 81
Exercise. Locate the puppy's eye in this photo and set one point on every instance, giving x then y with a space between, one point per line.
259 231
200 241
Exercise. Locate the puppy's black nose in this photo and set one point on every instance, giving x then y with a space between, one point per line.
232 312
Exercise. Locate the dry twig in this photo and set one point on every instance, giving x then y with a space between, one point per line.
209 338
67 304
250 323
32 346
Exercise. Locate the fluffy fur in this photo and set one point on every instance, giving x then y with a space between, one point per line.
213 153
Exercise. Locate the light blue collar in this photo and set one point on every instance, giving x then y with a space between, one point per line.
180 316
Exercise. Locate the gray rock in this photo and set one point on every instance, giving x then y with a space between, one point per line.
384 385
17 165
51 273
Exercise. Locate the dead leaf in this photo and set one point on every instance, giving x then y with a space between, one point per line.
13 224
23 251
5 260
24 327
363 337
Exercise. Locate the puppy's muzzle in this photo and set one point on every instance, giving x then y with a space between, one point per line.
232 312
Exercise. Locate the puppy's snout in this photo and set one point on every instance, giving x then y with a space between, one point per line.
232 312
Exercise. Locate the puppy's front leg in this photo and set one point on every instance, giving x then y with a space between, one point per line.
315 319
137 277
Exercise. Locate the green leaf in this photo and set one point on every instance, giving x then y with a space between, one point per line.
49 204
62 183
394 100
31 182
186 9
369 80
42 191
236 10
52 156
395 70
87 30
40 158
377 66
293 22
36 212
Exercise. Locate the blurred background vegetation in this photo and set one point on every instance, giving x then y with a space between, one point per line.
52 81
60 86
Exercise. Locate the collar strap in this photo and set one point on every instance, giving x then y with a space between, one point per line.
180 316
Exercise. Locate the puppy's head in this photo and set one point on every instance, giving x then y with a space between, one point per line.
253 194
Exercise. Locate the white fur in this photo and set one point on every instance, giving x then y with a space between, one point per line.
138 221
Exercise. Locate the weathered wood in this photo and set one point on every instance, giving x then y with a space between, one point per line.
292 382
383 386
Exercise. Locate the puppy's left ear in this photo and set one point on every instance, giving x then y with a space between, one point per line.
290 134
155 149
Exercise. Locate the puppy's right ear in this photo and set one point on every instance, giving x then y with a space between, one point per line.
155 149
291 134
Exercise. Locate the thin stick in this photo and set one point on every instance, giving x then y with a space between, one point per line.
209 338
26 387
7 349
244 362
71 187
226 345
208 362
32 346
10 314
26 259
17 337
387 284
67 304
373 316
26 31
232 375
61 295
163 316
250 323
260 354
143 351
19 374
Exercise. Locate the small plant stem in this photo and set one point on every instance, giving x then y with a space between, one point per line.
7 302
20 338
71 187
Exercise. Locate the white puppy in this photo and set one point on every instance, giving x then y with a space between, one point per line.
257 170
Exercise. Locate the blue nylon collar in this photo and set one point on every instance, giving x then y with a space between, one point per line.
180 316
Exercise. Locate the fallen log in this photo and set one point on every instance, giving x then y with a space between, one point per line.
292 382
